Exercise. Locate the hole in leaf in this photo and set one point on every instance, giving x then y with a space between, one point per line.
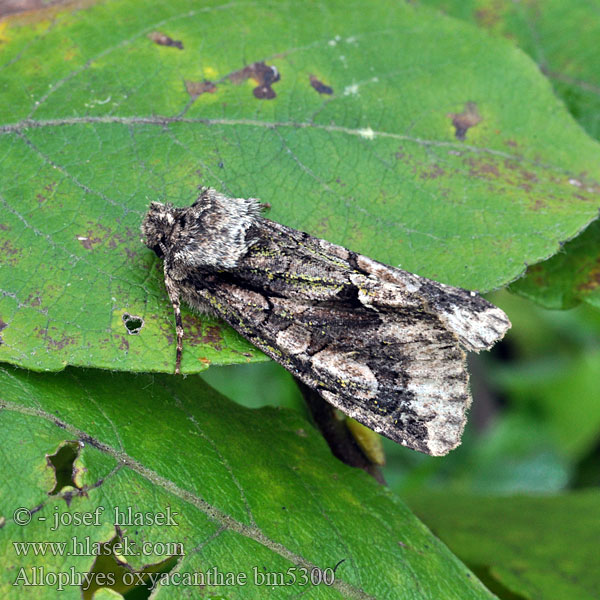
132 323
63 463
111 570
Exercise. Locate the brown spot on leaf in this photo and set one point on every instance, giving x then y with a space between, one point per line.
197 88
490 16
264 92
49 188
538 204
56 344
94 236
320 86
8 248
123 343
13 7
481 168
131 254
592 280
164 40
9 254
195 335
99 233
213 337
433 173
4 227
88 241
463 121
34 300
529 176
116 240
263 74
3 326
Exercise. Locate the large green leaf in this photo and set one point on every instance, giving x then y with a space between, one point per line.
523 547
440 149
561 36
152 442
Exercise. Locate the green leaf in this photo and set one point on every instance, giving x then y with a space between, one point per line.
551 379
568 278
157 442
522 546
515 455
452 159
559 36
564 394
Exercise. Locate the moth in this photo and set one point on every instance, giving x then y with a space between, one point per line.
383 345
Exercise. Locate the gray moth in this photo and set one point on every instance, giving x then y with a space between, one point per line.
383 345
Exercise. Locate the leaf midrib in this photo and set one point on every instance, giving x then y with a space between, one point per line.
213 513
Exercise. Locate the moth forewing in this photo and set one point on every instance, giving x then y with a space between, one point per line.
383 345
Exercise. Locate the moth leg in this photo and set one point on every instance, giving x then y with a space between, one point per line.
173 292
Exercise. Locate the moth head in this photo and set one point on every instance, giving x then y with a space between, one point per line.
157 227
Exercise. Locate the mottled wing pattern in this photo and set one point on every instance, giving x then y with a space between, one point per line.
381 344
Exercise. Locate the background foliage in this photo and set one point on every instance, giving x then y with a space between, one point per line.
461 148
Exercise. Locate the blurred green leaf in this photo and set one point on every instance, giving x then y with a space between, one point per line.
247 488
452 159
539 332
524 547
560 36
552 379
517 453
564 394
568 278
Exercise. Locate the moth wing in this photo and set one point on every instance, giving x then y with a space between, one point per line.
400 373
477 323
381 344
